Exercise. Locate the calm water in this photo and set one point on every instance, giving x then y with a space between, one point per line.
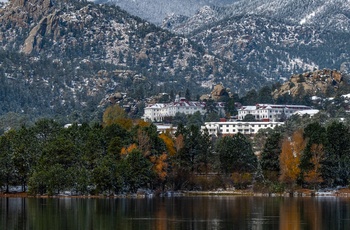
175 213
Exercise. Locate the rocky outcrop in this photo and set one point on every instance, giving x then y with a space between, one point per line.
47 25
313 83
27 20
217 94
35 9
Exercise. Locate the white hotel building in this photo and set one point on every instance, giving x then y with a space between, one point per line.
234 127
269 112
157 112
266 116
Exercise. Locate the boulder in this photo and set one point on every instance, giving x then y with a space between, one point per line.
218 92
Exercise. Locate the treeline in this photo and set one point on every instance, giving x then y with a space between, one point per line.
306 153
49 159
123 155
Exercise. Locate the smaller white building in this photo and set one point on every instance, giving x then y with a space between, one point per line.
310 112
234 127
163 128
270 112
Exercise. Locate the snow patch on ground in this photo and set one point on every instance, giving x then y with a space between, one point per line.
308 18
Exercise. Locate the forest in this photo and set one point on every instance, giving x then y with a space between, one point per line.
121 155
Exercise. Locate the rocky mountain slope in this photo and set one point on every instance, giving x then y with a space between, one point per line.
274 49
71 54
156 10
333 15
275 38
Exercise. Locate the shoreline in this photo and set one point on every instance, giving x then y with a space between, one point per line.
304 193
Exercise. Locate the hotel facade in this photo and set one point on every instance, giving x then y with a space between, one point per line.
157 112
269 112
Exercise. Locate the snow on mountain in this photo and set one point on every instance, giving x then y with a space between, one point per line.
274 38
79 54
156 10
330 15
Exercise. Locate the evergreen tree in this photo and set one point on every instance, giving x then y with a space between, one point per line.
230 107
236 154
336 170
315 135
188 94
270 156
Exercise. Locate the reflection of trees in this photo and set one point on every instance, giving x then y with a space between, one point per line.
289 215
258 213
161 221
305 213
313 213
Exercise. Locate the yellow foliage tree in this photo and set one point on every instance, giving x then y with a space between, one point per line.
169 143
179 142
126 150
298 141
290 158
160 165
142 123
116 115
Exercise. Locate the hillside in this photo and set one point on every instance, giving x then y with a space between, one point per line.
331 15
66 57
275 38
156 10
274 49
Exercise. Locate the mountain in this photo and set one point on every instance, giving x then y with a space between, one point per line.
327 14
67 58
333 15
274 38
156 10
274 49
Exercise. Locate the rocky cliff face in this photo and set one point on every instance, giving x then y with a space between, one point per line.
324 82
24 12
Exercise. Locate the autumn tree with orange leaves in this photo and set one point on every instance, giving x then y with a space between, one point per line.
292 149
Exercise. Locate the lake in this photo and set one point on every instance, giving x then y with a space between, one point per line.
222 212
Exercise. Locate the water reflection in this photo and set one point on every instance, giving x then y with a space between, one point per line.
176 213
